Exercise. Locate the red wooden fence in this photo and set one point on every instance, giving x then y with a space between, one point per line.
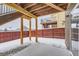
48 33
51 33
8 36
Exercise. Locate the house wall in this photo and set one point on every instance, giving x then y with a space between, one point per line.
60 18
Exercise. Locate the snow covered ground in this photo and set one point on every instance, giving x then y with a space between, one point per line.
59 43
52 41
16 43
6 46
75 48
39 49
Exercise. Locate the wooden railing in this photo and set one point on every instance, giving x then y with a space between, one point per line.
5 9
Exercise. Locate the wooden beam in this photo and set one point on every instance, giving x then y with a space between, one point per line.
30 29
21 32
76 6
55 7
36 30
68 5
39 11
20 9
26 17
30 6
60 4
38 8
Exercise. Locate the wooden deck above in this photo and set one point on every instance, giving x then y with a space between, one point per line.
40 9
9 17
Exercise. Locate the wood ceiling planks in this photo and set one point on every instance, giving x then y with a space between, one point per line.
47 12
29 5
38 8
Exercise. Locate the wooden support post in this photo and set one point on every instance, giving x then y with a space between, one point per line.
68 26
21 32
36 30
68 32
30 29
